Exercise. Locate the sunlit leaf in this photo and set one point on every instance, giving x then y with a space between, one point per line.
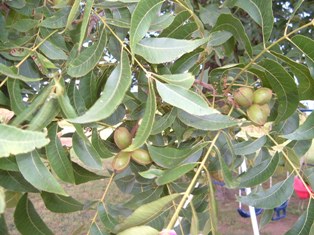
114 91
210 122
27 219
168 157
142 17
184 99
146 213
36 173
162 50
171 175
140 230
184 80
15 141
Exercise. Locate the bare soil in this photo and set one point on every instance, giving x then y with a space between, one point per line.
230 222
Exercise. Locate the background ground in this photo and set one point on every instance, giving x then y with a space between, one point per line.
230 223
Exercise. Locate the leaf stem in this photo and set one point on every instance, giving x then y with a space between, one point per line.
121 42
102 200
292 165
266 50
28 55
191 185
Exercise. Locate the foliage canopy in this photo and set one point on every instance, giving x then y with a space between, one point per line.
168 72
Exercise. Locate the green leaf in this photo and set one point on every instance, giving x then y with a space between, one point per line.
14 181
28 112
305 131
100 145
57 156
271 197
146 213
46 114
284 86
218 38
164 122
18 4
229 179
184 99
140 230
259 173
305 45
88 58
162 50
143 198
249 147
16 141
302 73
8 164
86 152
82 175
61 204
184 80
171 175
305 222
85 21
36 173
261 12
24 25
181 27
108 221
73 13
95 230
210 13
27 220
167 157
144 14
194 230
3 226
146 125
57 20
2 200
114 91
52 51
227 22
212 122
12 72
